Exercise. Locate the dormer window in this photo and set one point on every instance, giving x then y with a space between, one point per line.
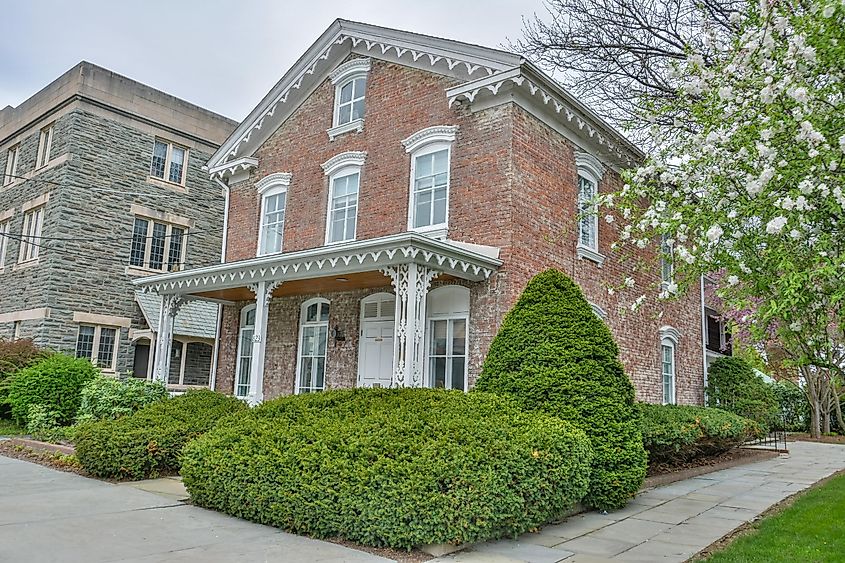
350 81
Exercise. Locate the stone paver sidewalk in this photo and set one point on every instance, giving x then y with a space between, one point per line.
670 523
51 516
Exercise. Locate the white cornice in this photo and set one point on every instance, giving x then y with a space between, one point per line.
230 168
271 180
349 158
435 134
462 60
349 68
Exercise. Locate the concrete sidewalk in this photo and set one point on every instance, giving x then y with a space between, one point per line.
670 523
51 516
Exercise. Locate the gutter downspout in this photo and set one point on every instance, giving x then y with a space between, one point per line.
703 341
212 382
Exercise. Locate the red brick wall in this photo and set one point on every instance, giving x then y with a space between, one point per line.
513 185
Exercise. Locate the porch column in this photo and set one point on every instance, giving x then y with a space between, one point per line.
170 305
410 283
263 293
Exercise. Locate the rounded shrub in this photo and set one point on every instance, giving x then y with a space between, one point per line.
733 385
108 398
675 434
148 443
55 382
391 467
553 354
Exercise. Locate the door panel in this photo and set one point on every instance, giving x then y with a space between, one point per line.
376 361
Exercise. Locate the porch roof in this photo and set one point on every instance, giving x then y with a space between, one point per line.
197 319
456 259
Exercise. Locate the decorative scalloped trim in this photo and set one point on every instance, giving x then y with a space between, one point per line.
671 333
356 125
435 134
349 68
275 179
588 162
349 158
230 168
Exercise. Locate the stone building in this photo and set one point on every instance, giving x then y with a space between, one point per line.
388 201
103 184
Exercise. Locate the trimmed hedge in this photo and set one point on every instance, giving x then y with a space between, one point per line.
732 385
553 354
391 467
677 434
109 398
148 443
55 382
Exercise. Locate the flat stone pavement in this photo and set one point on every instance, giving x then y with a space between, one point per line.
51 516
670 523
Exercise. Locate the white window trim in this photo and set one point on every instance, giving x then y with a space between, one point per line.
342 173
591 169
423 142
11 170
148 245
270 185
241 327
599 312
302 324
45 145
167 161
5 229
340 77
669 336
95 345
30 236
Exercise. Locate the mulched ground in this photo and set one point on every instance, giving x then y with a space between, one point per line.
52 459
735 456
824 439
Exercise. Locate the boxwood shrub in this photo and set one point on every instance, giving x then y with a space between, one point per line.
397 468
107 397
148 443
675 434
553 354
55 382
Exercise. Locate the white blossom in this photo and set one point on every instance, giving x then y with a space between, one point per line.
714 233
733 280
776 225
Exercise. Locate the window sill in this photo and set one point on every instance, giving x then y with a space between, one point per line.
664 286
438 232
58 161
138 271
585 253
25 265
180 188
356 125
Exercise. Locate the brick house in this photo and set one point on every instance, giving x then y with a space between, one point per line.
103 184
388 201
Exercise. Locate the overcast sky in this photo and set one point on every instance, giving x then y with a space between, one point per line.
221 55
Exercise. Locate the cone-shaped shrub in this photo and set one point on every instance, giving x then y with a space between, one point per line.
553 354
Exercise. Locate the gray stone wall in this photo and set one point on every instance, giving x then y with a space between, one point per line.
88 225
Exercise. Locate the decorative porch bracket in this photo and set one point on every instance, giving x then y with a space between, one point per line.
263 294
170 305
410 283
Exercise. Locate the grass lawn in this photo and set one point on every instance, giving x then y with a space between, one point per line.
811 530
9 428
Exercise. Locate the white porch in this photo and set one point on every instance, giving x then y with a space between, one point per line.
408 262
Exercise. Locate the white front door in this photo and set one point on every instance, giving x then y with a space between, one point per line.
375 350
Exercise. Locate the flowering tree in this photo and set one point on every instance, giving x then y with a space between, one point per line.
756 188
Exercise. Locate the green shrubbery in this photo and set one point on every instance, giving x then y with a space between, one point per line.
15 355
148 442
793 405
109 398
676 434
55 383
395 468
553 354
732 385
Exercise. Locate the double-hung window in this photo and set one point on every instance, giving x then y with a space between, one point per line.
669 338
273 190
4 241
169 162
12 156
33 220
344 172
350 82
245 337
589 174
157 245
313 344
98 344
431 152
45 145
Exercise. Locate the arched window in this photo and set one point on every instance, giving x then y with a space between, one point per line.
669 338
273 190
590 172
245 337
313 343
447 310
431 152
350 82
344 172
